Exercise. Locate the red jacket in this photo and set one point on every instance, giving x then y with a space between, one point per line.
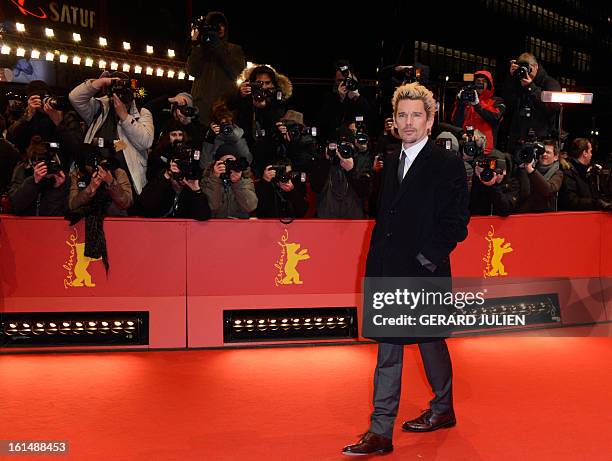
484 116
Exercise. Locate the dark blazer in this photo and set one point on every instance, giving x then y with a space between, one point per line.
427 214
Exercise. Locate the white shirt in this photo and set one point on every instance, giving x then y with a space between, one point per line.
411 153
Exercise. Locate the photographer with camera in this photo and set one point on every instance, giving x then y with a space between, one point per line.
223 130
296 141
39 186
539 169
176 193
97 183
181 109
50 117
523 97
477 107
228 185
342 177
214 62
260 102
496 190
577 191
344 102
114 117
281 192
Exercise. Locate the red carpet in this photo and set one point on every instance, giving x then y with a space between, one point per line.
515 398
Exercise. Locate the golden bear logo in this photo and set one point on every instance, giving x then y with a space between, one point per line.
495 252
77 274
286 265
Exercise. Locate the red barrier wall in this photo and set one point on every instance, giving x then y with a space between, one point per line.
185 273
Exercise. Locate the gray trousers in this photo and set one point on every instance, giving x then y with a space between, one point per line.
388 382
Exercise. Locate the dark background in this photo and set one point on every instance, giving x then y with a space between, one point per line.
303 39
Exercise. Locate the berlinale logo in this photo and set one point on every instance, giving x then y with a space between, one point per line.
286 265
76 270
497 248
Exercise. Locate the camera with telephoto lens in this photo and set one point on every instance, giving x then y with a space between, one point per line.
239 165
528 152
297 130
361 137
349 81
523 71
259 93
490 167
469 92
122 88
60 103
346 149
100 154
284 176
469 146
49 158
187 160
206 32
187 111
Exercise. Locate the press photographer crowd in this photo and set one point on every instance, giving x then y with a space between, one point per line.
235 147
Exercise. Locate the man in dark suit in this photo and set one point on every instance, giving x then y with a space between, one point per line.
423 214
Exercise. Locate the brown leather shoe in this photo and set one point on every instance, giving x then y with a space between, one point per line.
370 444
430 421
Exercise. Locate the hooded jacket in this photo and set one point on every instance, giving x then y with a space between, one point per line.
258 124
215 67
484 116
136 131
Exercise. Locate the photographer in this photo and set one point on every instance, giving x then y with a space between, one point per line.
477 107
98 185
114 118
214 62
39 186
577 191
523 97
223 130
543 175
181 109
281 192
343 103
495 189
260 102
177 192
228 185
52 119
296 141
342 178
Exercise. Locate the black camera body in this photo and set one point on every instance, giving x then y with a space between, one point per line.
260 94
523 71
207 33
226 129
469 92
361 135
239 165
490 167
345 149
528 152
350 82
297 130
284 176
187 160
60 103
469 147
187 111
49 158
122 88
